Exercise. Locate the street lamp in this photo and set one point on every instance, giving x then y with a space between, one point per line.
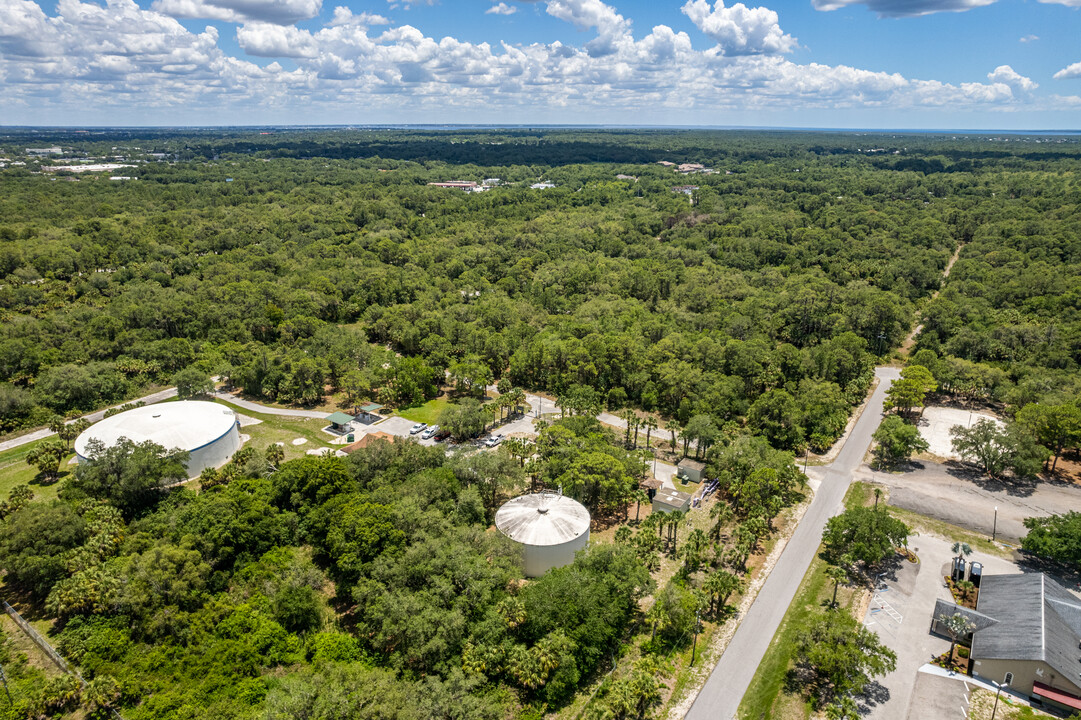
994 528
998 691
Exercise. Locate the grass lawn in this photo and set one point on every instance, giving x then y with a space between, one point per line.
426 413
15 471
275 428
766 697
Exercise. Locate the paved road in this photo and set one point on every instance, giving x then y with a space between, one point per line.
92 417
727 684
264 410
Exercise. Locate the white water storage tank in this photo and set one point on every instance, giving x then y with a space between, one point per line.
549 527
208 431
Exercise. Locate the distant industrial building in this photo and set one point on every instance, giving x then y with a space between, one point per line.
40 152
550 527
455 184
208 432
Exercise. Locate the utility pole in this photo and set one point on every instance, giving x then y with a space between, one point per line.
998 692
994 528
4 679
694 645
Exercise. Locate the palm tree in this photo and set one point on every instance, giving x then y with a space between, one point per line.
672 426
650 424
275 455
630 418
640 496
837 575
962 550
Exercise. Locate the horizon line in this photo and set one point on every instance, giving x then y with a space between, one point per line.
549 126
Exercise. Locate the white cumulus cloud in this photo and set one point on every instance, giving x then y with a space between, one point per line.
282 12
1011 78
1070 71
501 9
740 30
122 58
904 8
1029 38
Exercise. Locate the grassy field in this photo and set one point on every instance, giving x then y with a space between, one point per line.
275 428
426 413
15 471
766 697
1009 708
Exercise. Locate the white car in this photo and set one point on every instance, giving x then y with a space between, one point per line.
493 440
427 434
419 427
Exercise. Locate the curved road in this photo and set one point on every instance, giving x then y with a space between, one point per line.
720 697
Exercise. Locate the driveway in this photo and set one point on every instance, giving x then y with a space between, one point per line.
901 615
957 495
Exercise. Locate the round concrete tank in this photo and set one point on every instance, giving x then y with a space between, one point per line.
549 527
207 431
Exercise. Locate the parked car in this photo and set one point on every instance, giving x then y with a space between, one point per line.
493 440
442 435
430 432
419 427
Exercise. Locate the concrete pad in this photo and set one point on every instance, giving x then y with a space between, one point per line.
321 451
936 423
395 426
300 441
938 698
246 420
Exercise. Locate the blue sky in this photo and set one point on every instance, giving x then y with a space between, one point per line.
994 64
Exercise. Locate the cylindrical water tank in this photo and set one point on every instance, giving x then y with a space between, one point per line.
551 528
207 431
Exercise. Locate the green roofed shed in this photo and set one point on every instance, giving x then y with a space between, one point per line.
371 408
339 419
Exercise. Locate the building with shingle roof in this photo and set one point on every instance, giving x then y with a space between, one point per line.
1028 631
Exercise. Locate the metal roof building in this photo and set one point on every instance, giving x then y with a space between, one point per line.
551 528
207 431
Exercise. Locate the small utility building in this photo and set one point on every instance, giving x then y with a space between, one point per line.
668 500
690 470
339 422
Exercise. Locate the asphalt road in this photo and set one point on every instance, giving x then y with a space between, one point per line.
92 417
720 697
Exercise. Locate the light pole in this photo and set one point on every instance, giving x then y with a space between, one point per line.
994 527
998 691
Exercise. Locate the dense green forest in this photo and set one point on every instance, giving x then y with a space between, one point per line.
301 264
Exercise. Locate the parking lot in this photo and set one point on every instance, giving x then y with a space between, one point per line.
901 615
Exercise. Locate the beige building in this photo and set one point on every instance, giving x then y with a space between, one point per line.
1028 636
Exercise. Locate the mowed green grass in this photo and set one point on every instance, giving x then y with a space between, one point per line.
426 413
766 697
275 428
14 470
